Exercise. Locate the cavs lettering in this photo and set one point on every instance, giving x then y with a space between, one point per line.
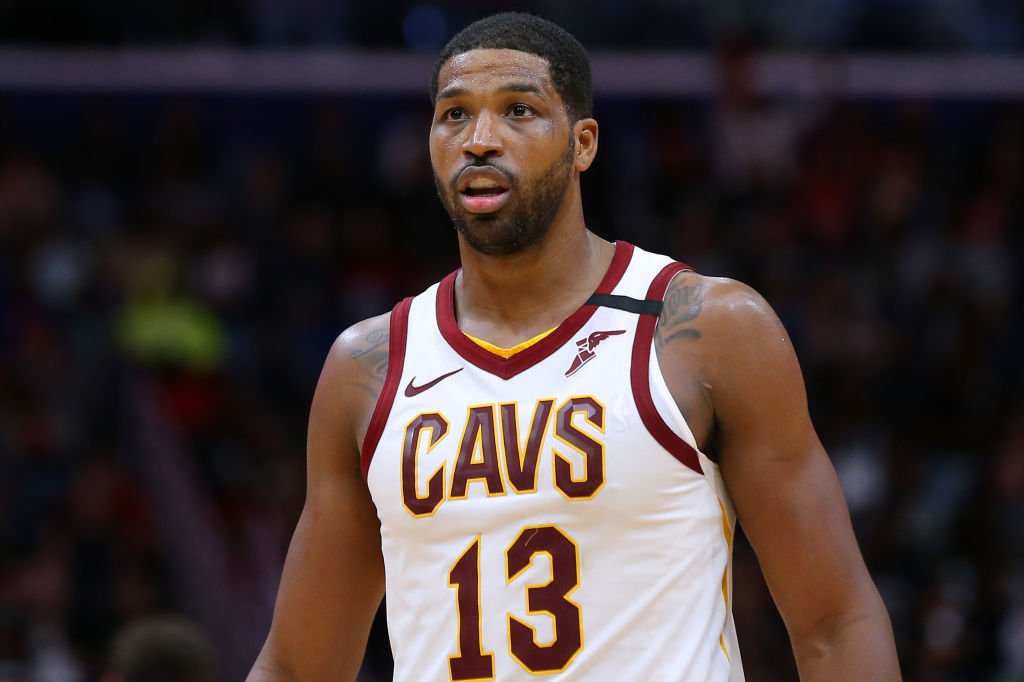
512 468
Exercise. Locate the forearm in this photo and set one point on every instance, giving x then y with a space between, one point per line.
308 658
848 647
265 670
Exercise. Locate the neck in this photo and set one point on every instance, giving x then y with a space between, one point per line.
508 299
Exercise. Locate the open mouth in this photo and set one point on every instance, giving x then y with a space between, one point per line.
484 201
483 190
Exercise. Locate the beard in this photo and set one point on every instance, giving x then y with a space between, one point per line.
523 221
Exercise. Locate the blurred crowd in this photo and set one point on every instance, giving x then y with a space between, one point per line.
992 25
173 270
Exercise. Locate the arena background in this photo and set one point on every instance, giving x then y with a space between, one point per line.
197 197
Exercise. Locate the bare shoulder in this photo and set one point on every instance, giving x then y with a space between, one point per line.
354 372
746 362
714 339
718 310
362 352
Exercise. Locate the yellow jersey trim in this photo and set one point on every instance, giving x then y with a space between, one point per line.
506 353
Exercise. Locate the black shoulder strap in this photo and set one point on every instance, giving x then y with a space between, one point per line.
630 305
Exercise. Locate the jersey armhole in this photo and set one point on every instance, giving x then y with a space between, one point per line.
396 361
640 381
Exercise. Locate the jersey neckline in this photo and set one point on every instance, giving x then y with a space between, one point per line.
506 368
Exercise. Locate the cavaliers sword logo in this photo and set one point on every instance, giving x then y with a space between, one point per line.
585 349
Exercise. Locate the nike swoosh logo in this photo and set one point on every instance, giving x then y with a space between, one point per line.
411 390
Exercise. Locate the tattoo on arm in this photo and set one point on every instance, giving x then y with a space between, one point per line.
683 305
371 351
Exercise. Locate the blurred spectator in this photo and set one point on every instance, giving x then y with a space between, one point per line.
162 649
755 139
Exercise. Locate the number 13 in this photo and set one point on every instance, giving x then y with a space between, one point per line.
552 598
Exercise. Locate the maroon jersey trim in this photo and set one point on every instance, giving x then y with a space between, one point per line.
507 368
639 375
396 360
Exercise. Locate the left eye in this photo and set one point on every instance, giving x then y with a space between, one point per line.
520 110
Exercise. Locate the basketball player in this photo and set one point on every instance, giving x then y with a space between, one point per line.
543 456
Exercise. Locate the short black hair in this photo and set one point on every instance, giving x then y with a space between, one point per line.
566 58
163 649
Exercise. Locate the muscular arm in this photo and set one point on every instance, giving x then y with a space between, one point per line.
333 578
732 368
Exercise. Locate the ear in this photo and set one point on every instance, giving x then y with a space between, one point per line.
585 132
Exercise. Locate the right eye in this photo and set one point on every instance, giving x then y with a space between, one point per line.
455 114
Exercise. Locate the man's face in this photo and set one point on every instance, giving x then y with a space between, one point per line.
501 147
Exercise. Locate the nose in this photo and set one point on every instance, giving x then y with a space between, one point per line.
483 140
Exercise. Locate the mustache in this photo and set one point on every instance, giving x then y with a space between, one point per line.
480 162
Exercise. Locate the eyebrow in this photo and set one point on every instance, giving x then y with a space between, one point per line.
456 91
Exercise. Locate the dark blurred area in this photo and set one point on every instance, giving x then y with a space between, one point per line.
975 25
174 267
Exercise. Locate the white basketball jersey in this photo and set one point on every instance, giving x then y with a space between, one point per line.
549 513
